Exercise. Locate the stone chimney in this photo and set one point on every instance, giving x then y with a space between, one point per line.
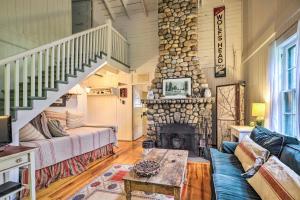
178 49
178 44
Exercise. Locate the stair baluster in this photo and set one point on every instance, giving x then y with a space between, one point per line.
40 75
94 45
58 63
7 89
52 85
68 57
63 62
72 57
80 53
97 42
76 54
46 68
25 81
32 75
84 49
87 48
16 83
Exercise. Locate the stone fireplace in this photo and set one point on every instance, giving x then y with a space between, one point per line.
179 123
179 136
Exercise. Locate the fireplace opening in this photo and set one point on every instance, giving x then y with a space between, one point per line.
179 136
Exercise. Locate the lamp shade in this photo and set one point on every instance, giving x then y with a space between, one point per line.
258 109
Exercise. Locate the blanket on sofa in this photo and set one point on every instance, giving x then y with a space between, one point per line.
80 141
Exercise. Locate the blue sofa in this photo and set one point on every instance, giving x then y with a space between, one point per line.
227 183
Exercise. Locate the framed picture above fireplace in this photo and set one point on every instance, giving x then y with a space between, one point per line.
177 88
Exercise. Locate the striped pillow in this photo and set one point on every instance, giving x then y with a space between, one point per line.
29 133
60 116
74 120
276 181
56 129
247 151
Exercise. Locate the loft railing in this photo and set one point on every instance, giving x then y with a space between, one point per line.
120 47
26 75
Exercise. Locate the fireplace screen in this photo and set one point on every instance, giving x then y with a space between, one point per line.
179 136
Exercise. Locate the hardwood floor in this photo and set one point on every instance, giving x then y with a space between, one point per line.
198 183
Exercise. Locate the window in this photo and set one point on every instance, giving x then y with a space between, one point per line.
288 86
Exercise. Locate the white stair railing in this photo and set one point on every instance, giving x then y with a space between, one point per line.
120 46
49 64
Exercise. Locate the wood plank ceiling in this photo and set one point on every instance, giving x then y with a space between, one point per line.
124 8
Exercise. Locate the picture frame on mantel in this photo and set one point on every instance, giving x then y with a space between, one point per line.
177 88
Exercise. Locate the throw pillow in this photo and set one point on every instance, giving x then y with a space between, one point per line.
74 120
40 123
56 129
247 151
29 133
44 122
60 116
268 140
276 181
250 172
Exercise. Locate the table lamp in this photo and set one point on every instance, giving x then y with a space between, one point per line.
258 111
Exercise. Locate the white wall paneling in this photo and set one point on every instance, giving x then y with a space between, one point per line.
260 28
30 23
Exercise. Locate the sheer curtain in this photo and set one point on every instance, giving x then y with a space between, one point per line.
298 83
274 83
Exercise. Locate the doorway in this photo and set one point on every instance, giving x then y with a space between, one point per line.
139 118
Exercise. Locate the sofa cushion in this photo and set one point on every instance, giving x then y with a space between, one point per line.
227 164
288 139
267 139
229 147
232 188
291 157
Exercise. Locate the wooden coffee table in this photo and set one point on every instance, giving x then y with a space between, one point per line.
168 181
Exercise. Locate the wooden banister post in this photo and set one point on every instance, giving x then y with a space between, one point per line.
109 38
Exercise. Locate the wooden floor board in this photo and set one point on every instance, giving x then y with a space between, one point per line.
197 186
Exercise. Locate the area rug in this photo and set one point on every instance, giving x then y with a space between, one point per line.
110 186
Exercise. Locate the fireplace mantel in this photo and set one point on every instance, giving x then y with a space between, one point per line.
181 101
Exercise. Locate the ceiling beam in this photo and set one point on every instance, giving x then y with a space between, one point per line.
145 7
105 3
125 8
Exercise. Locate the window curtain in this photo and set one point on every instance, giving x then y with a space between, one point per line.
274 83
298 83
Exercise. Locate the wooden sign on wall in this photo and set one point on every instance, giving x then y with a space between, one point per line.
220 41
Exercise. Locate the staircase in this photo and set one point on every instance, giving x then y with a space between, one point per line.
33 80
